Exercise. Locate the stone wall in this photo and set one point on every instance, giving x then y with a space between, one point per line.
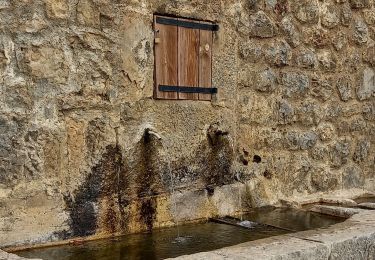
85 151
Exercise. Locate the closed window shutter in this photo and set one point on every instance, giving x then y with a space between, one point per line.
188 60
205 62
183 58
166 59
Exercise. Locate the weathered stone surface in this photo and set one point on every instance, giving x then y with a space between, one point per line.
7 256
57 8
321 88
340 41
344 87
302 141
295 83
261 26
367 89
309 113
307 11
293 35
326 132
278 53
307 59
352 177
367 205
361 151
47 63
327 60
369 111
265 81
339 153
285 112
359 3
250 52
335 211
361 33
369 55
330 16
87 13
346 14
86 150
323 180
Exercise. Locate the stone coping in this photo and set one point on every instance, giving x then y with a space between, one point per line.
351 239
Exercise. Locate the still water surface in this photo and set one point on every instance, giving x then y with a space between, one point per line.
165 243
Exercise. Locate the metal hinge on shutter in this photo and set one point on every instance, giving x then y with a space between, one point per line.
165 88
187 24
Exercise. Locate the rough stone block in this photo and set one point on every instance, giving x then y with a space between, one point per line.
261 26
295 83
57 9
367 89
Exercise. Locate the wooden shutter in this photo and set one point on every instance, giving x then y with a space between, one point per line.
165 59
188 60
205 62
183 58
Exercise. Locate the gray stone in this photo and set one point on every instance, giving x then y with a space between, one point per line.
261 26
307 11
357 125
333 112
295 83
285 112
367 89
307 140
369 55
368 111
307 59
309 113
361 151
340 41
339 153
323 180
344 87
302 141
330 17
352 177
361 33
359 3
279 53
291 141
293 36
321 88
335 211
265 81
367 205
320 153
250 52
346 14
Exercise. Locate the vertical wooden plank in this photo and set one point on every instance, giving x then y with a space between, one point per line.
188 60
166 56
205 62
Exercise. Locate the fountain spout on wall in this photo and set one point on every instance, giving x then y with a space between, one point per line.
149 132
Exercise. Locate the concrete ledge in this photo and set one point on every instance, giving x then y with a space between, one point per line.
352 239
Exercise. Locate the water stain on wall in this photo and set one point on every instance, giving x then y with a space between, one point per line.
105 181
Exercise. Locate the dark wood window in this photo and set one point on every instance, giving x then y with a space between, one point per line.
183 58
